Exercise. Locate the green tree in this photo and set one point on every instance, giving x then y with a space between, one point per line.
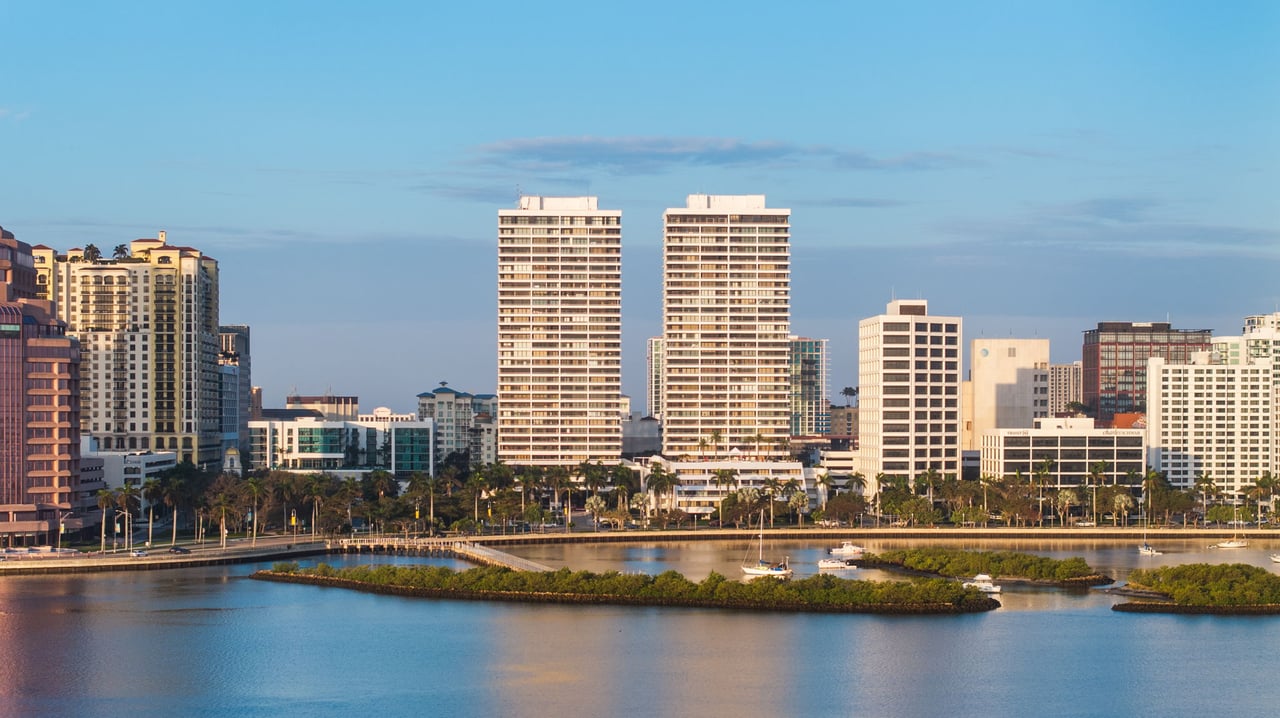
1205 486
596 506
120 252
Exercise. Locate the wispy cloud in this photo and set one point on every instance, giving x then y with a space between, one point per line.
1118 225
654 155
8 113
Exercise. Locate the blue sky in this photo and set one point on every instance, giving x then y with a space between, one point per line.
1033 167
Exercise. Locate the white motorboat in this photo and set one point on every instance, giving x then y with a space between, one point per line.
1275 558
983 582
836 564
1231 543
1147 549
780 569
848 549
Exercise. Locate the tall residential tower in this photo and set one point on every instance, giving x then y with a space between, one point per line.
147 321
559 332
726 318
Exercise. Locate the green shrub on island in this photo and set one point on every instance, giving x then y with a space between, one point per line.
1200 584
285 566
959 563
670 587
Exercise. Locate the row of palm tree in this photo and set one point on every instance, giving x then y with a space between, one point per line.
1027 499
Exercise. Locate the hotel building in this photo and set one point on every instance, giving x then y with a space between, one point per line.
461 421
147 322
559 332
726 316
909 392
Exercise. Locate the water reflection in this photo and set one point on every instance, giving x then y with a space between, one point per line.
211 642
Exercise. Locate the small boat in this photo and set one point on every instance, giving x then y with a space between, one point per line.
781 569
1231 543
836 564
983 582
1275 558
848 549
1147 549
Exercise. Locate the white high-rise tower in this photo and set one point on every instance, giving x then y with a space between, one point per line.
726 317
559 332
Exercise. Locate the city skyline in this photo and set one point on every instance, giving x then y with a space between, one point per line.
1035 170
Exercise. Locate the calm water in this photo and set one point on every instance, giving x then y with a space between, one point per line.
212 642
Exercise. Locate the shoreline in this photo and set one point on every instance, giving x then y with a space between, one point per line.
275 547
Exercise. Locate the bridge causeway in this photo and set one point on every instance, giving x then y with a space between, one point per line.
458 548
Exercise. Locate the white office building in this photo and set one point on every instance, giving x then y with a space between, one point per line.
909 365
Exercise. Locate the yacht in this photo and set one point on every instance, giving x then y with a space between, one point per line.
983 582
848 549
836 564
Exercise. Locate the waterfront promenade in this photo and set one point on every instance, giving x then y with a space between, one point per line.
486 550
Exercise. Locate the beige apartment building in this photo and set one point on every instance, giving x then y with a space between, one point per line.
726 316
559 332
147 321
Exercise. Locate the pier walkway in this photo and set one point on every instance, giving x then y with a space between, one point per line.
459 548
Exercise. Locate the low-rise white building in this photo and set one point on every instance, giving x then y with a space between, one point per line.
1073 448
698 493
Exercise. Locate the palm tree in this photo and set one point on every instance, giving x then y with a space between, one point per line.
528 479
1263 487
849 393
724 478
798 502
92 253
659 481
476 486
317 489
153 492
106 499
120 252
1122 502
716 437
1097 474
221 504
1066 499
127 500
172 493
256 488
826 482
1206 487
929 477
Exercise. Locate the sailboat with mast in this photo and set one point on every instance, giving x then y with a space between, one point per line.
761 567
1235 541
1147 549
